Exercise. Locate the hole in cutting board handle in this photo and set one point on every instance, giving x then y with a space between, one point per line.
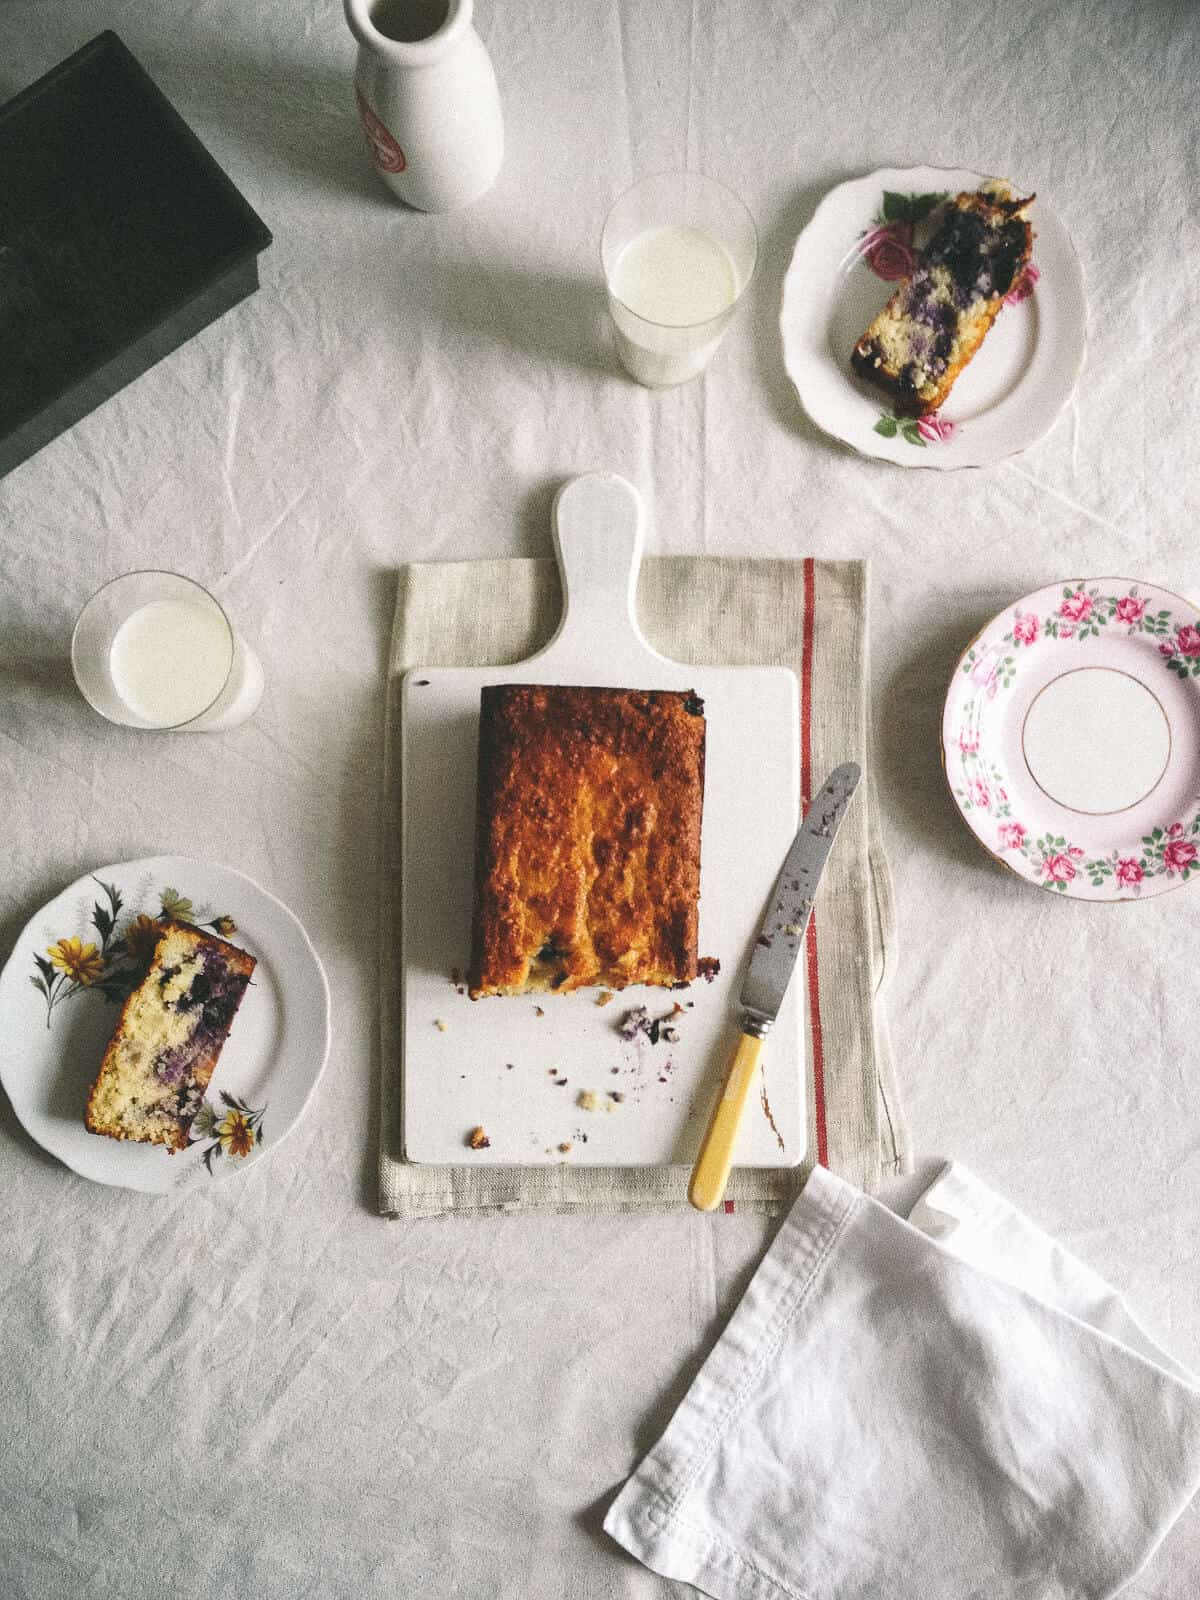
598 535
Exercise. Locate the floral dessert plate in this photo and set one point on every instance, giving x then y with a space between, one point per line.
73 965
847 263
1071 738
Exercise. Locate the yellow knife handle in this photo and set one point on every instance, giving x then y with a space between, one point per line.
711 1172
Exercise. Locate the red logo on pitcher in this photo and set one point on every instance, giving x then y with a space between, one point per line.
385 152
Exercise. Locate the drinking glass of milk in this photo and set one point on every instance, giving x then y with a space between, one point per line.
155 650
678 251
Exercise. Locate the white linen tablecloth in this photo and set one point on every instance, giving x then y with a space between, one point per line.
264 1389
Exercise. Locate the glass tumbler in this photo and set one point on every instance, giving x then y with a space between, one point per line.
678 251
156 650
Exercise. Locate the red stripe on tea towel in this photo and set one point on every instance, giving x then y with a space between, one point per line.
814 988
729 1208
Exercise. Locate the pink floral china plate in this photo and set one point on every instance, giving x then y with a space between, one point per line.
1071 739
75 962
847 263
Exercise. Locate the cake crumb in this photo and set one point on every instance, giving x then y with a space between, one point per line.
793 930
708 967
440 1025
634 1022
538 1012
478 1140
604 997
671 1035
588 1100
566 1147
616 1096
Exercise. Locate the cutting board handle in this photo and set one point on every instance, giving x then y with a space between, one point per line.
598 536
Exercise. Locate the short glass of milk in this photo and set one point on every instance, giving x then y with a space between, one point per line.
155 650
678 250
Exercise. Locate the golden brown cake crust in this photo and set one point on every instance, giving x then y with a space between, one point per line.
587 838
150 1084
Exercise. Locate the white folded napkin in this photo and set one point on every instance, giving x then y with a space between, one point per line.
946 1408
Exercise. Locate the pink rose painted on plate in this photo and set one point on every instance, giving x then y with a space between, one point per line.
1012 836
1026 628
980 793
1130 610
935 429
1128 872
1178 854
1059 868
888 251
1024 286
1187 640
1076 607
968 741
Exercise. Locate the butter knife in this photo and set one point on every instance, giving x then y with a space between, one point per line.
776 951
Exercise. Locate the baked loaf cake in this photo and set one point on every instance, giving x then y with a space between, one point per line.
167 1040
588 838
939 316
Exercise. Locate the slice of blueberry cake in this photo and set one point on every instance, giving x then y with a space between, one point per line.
168 1038
939 316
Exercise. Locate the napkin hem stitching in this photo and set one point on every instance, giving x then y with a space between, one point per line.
785 1314
686 1532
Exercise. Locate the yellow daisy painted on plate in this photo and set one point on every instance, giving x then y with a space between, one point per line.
176 906
141 936
82 963
235 1133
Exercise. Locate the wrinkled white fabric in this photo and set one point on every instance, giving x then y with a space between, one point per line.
290 1397
950 1407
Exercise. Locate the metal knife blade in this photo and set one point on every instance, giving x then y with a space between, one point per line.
782 933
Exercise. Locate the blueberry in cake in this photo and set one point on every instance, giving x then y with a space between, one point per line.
588 838
169 1035
939 315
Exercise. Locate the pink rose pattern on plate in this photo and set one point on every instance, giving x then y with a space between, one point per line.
889 248
1024 286
1172 851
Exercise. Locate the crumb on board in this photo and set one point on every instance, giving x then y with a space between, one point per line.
566 1147
478 1140
793 930
538 1012
605 995
440 1025
708 967
616 1096
588 1100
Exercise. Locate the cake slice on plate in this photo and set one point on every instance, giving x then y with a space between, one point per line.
168 1038
940 314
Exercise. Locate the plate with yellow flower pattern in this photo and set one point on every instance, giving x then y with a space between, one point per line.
78 958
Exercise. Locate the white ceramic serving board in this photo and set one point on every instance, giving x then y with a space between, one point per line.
495 1063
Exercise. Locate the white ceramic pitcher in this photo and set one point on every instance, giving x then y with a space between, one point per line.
428 99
